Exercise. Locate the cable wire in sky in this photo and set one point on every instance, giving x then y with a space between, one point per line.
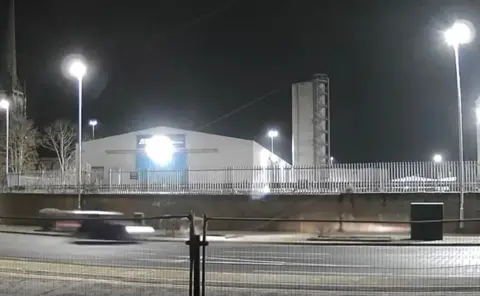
198 20
254 101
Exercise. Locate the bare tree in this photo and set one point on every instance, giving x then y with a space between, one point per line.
23 142
60 137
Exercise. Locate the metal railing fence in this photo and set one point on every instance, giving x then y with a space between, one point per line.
294 259
298 259
61 253
401 177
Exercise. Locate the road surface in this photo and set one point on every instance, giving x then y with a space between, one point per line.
21 285
308 266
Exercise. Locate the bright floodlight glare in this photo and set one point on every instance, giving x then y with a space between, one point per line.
78 69
4 104
92 122
273 133
459 33
160 149
266 189
437 158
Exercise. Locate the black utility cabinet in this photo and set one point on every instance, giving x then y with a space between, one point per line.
425 211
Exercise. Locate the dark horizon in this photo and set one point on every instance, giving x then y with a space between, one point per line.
185 64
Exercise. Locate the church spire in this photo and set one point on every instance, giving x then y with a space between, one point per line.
13 89
12 47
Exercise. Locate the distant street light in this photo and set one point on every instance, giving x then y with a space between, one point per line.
4 104
460 33
437 158
93 123
272 134
78 70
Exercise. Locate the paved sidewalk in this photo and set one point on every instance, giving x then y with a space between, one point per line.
396 238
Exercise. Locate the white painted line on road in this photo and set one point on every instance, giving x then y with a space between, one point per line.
280 257
143 253
222 258
273 263
244 263
282 253
241 261
210 258
293 272
163 260
283 263
327 265
155 250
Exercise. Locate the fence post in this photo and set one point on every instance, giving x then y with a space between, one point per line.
204 244
110 179
341 213
194 246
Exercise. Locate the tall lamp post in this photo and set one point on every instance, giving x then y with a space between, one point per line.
477 115
93 123
460 33
4 104
77 70
272 134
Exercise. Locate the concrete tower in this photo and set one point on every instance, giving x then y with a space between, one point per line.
311 122
10 86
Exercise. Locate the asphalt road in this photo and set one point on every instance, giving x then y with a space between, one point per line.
451 265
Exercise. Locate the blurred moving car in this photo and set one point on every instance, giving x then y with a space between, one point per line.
98 225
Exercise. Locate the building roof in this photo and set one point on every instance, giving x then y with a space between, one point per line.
170 130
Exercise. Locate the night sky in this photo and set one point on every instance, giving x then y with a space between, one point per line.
186 63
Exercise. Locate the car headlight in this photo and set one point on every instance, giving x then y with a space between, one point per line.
139 229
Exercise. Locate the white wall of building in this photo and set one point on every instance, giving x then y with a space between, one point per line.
208 156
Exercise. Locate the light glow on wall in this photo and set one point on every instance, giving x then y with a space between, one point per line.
160 149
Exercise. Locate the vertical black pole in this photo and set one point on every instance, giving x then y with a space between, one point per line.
190 243
197 282
196 265
204 245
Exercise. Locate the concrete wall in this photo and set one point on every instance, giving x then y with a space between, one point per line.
382 207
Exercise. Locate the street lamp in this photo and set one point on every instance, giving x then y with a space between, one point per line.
4 104
272 134
93 123
460 33
437 158
77 70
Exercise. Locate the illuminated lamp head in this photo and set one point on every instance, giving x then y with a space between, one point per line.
159 149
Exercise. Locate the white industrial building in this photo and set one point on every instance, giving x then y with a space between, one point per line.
171 155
